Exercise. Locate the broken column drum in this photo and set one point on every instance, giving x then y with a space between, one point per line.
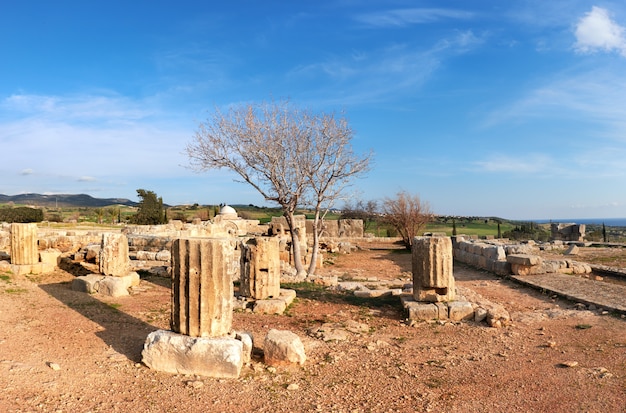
433 278
260 268
114 258
202 287
24 244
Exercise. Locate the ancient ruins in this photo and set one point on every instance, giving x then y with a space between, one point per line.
204 260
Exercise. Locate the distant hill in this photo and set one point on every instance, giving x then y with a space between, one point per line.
64 200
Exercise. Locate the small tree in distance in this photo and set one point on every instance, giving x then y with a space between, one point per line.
408 214
150 209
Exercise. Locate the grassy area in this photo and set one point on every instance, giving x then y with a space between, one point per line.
62 217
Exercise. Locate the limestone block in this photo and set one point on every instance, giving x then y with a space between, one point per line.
367 293
146 256
114 255
282 347
421 311
460 310
92 253
270 306
164 255
519 269
442 309
169 352
433 279
50 256
287 296
247 342
524 259
202 288
118 286
24 244
87 283
572 250
260 268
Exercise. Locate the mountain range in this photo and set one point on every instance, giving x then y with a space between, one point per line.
64 200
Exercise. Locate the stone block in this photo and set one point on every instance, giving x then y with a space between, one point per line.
460 310
114 255
118 286
282 347
260 268
270 306
421 311
169 352
50 256
442 311
524 259
87 283
287 296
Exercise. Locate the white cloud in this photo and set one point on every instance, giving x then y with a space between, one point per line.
406 17
535 163
27 171
596 31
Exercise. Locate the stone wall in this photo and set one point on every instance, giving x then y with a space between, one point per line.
568 232
517 259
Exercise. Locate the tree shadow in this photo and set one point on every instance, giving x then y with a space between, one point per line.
122 332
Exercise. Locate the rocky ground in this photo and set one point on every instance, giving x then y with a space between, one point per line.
65 351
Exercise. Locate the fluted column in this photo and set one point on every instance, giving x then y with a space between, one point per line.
260 268
202 288
24 244
433 278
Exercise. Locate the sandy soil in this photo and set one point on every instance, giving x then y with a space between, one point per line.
65 351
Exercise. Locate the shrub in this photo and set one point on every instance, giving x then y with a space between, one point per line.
21 215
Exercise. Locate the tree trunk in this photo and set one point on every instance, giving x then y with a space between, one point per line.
295 243
316 243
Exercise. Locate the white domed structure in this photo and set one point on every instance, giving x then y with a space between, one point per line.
228 212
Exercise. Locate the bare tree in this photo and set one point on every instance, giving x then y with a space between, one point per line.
265 144
408 214
330 166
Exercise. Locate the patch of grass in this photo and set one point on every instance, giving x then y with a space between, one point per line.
114 306
6 278
583 326
15 290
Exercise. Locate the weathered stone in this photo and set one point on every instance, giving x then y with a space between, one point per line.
114 255
202 288
24 244
87 283
524 259
260 268
287 296
421 311
270 306
50 256
164 255
118 286
460 310
572 250
170 352
283 347
247 342
433 279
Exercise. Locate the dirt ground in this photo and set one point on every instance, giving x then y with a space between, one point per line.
66 351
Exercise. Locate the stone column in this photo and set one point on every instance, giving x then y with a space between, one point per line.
24 244
114 258
260 268
433 278
202 289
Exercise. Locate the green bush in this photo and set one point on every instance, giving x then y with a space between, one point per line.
21 215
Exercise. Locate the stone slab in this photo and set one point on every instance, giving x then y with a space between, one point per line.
219 357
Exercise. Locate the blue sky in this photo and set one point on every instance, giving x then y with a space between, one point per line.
514 109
